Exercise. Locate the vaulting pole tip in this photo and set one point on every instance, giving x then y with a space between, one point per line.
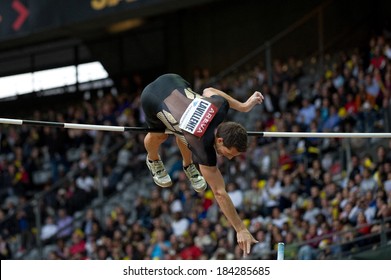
280 251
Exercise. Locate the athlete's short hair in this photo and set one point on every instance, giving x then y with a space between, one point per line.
234 135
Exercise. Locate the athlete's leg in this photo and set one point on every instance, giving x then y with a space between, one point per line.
152 142
197 181
185 152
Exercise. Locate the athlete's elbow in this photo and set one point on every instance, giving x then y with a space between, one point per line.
207 92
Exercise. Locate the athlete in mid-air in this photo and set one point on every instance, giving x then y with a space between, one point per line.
198 124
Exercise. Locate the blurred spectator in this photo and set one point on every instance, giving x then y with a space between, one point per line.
235 194
306 113
49 229
77 248
278 218
204 241
89 222
252 198
261 250
5 250
311 211
159 245
271 194
64 224
190 250
368 183
85 186
179 224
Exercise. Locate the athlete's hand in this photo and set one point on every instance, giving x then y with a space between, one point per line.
245 240
256 98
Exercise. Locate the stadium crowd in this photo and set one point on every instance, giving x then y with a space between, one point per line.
308 193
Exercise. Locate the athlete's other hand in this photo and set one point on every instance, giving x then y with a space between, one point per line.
254 99
245 240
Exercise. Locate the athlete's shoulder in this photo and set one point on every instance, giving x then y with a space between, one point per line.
217 99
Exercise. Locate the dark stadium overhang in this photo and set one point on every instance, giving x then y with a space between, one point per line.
55 33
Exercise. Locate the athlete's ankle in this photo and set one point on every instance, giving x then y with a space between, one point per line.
152 159
185 166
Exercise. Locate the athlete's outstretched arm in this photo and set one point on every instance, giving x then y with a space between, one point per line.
215 180
255 98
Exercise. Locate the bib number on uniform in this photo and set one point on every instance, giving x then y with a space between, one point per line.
197 117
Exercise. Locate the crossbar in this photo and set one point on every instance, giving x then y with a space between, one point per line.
147 130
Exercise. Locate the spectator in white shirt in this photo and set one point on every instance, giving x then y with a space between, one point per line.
179 225
311 212
368 183
236 195
49 229
271 194
85 182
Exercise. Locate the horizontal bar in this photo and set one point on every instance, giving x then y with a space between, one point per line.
94 127
41 123
147 130
11 121
77 126
321 134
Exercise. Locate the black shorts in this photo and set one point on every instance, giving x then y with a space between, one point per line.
154 94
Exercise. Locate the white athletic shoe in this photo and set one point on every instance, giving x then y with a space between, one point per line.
159 173
197 181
